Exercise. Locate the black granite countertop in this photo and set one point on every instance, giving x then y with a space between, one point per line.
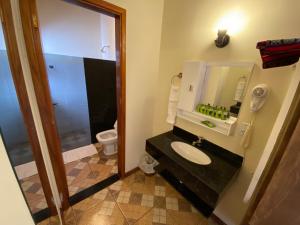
216 175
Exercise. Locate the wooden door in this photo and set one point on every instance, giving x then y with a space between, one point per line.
28 9
280 203
36 186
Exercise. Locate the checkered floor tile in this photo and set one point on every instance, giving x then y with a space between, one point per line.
81 174
137 199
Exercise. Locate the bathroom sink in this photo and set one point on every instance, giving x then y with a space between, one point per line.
190 153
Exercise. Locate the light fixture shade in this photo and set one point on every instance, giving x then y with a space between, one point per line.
222 39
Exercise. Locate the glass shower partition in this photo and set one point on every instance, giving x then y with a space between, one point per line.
16 138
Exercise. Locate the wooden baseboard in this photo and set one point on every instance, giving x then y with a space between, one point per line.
216 219
131 171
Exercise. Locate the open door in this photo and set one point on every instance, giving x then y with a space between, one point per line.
44 70
17 125
280 202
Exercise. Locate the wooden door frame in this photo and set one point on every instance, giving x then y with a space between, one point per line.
33 42
23 99
277 154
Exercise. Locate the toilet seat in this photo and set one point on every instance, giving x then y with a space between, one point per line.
109 140
107 136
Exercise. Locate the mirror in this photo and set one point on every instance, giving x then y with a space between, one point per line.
225 85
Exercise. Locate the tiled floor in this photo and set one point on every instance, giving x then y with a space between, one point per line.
81 174
90 170
33 192
138 199
75 139
22 153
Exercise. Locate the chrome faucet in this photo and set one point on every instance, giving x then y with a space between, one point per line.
198 142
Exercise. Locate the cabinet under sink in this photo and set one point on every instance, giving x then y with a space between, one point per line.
202 183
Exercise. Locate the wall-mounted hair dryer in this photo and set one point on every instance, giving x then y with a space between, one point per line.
259 95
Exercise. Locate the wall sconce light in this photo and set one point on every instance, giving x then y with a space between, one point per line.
230 23
222 39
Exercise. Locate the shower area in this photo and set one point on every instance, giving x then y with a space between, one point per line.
81 71
67 82
69 98
77 123
11 119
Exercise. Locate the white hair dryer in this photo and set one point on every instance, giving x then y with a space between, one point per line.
259 95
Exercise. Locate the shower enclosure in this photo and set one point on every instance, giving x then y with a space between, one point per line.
15 124
68 91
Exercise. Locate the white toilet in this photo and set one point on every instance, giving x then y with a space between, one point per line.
109 140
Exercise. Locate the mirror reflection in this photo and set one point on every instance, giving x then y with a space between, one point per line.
225 87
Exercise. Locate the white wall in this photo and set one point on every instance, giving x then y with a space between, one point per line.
276 132
67 29
188 33
108 41
13 207
144 19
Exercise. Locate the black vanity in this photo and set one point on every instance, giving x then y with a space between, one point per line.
200 184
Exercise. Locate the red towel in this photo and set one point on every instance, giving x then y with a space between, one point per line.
275 53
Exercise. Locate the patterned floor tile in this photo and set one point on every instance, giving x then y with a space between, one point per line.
26 185
105 213
54 220
133 212
135 200
156 217
100 171
147 200
123 197
81 174
35 201
70 217
134 195
93 200
122 203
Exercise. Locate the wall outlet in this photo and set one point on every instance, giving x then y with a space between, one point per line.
243 127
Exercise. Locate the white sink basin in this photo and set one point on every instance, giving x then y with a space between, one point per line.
190 153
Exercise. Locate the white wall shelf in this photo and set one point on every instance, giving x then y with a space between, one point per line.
225 127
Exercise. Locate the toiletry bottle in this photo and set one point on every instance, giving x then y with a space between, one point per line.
203 109
226 113
222 114
207 109
219 112
214 114
198 107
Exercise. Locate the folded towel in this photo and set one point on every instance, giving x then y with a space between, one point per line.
275 53
172 107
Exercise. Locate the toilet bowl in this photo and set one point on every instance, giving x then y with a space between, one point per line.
109 140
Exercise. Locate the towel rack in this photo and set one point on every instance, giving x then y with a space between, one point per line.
176 76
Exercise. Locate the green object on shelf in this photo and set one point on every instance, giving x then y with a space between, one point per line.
219 112
208 123
199 107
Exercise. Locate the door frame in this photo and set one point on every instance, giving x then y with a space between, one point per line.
33 44
23 99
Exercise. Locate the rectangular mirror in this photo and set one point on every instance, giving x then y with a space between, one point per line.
211 94
225 85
